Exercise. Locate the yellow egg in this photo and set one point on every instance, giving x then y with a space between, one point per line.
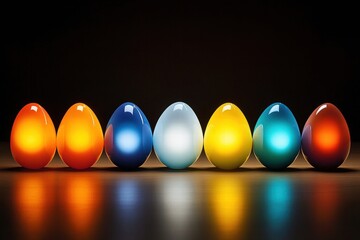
227 138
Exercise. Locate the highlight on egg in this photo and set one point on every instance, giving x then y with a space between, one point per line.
178 137
80 138
276 137
227 138
326 139
128 137
33 137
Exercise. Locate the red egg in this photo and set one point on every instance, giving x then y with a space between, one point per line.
33 137
326 138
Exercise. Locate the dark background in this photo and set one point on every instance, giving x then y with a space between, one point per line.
153 53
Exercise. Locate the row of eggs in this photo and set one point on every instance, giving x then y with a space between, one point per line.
178 138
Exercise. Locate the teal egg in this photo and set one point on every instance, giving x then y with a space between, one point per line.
276 137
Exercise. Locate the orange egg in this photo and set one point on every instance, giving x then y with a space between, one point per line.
33 137
80 138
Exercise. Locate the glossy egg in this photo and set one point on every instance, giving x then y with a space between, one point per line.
128 137
326 138
276 137
227 138
178 137
80 138
33 137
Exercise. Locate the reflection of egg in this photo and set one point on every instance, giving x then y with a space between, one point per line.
128 137
33 137
81 199
227 138
33 202
276 138
178 138
326 138
80 138
228 198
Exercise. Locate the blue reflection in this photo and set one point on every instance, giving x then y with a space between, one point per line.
130 209
127 194
279 199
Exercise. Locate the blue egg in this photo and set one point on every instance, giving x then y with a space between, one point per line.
276 137
178 137
128 137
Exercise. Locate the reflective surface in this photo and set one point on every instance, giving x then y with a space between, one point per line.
326 138
227 138
128 137
276 138
33 137
201 202
80 138
178 137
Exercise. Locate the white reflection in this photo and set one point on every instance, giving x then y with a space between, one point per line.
178 205
275 108
129 109
178 106
321 108
226 107
80 108
34 108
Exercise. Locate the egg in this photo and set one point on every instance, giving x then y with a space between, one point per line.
80 138
227 138
326 138
128 137
276 137
33 137
178 137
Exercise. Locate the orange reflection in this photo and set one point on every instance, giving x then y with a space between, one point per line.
82 201
33 201
228 203
325 203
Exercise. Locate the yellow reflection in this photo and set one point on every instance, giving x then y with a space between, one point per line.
33 202
82 199
228 203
